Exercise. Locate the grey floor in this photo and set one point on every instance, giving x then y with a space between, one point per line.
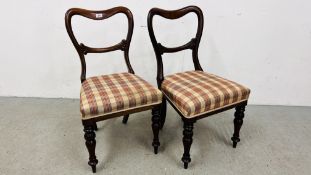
44 136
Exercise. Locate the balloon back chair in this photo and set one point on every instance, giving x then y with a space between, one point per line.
195 94
108 96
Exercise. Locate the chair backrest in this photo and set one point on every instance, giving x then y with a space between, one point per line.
193 44
100 15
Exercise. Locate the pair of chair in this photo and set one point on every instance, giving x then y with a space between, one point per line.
193 94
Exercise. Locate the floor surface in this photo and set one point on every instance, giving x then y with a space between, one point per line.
44 136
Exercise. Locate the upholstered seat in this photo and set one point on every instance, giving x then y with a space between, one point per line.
195 92
107 94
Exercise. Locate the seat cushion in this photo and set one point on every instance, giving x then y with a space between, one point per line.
107 94
194 93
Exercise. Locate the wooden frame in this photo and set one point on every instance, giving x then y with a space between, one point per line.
90 124
193 45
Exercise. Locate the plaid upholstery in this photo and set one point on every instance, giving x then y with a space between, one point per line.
195 92
102 95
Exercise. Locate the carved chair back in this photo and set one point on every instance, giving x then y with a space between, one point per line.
193 44
100 15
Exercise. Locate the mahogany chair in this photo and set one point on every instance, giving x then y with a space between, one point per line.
108 96
195 94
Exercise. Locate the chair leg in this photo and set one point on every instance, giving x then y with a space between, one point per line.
95 127
125 119
155 128
163 112
187 141
238 121
90 143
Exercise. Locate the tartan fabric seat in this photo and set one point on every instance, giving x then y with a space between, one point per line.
194 93
107 94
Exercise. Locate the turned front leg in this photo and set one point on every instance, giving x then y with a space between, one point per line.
238 122
90 143
155 128
187 141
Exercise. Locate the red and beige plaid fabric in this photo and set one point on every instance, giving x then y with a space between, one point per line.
195 92
102 95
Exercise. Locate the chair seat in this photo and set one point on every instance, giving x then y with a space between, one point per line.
194 93
107 94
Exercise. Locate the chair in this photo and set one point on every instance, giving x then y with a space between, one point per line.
108 96
195 94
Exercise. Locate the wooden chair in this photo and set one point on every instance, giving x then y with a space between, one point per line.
195 94
108 96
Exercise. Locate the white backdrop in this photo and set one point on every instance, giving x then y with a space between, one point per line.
263 44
